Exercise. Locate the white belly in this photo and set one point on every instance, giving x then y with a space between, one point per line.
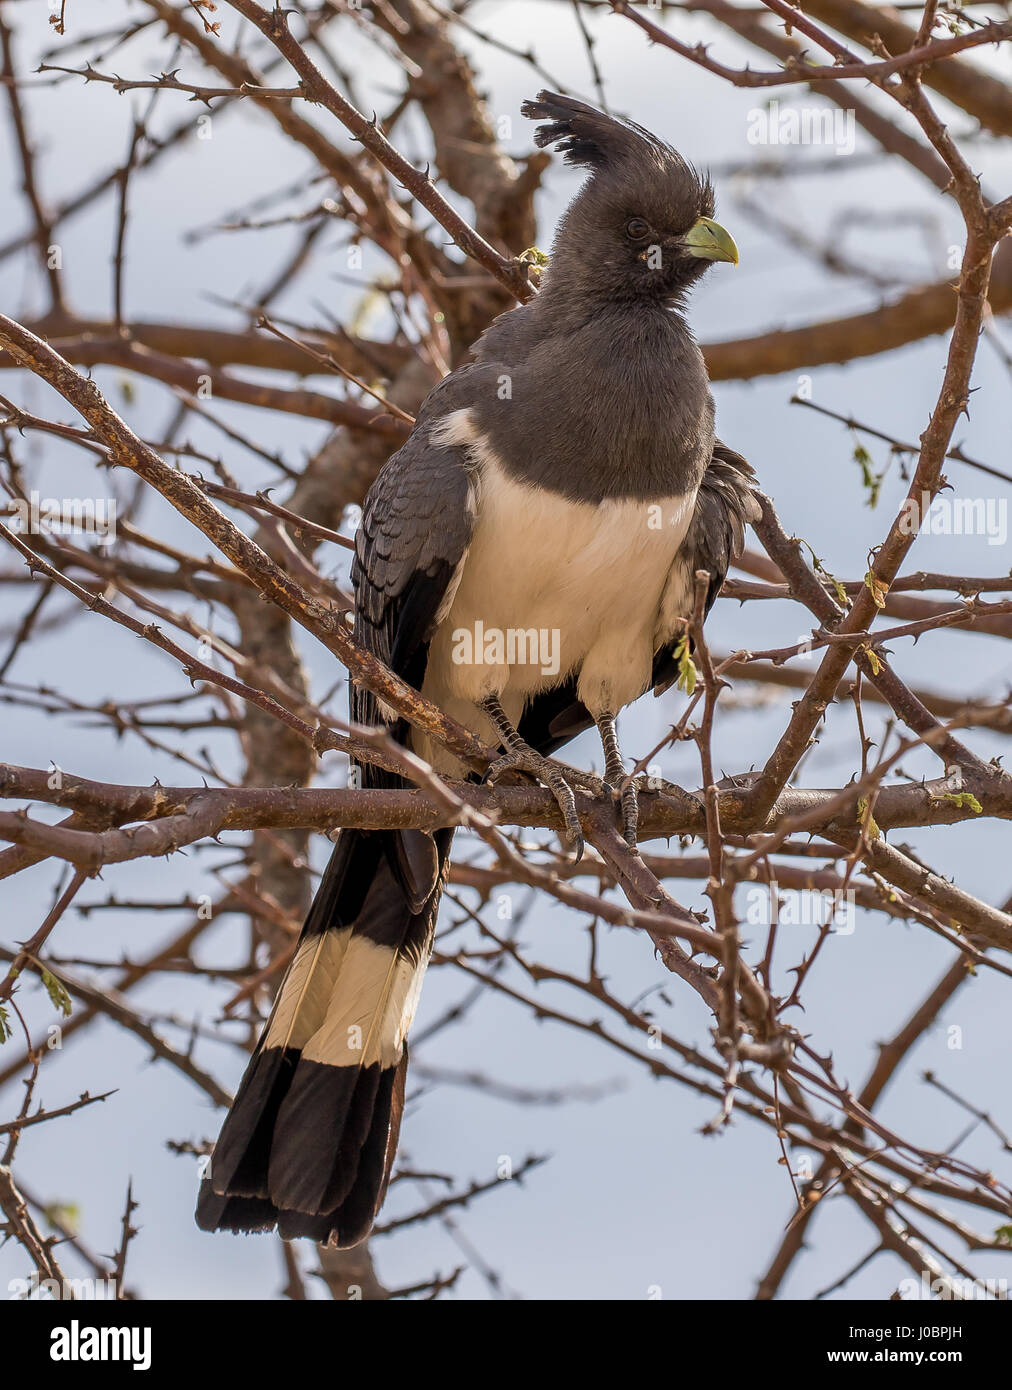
551 587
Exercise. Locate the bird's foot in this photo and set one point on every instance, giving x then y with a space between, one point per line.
626 799
579 777
623 790
522 758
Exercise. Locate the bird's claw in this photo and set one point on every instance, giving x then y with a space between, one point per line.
541 768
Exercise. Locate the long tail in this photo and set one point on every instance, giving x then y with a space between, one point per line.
311 1136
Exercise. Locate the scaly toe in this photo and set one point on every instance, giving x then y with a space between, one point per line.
563 794
627 807
537 766
507 763
630 815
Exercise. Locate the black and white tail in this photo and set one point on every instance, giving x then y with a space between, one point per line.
311 1136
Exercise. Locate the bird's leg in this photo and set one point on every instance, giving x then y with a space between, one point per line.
520 756
615 777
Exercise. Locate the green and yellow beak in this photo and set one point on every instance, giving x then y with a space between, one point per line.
710 242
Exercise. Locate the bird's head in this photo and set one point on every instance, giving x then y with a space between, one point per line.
642 225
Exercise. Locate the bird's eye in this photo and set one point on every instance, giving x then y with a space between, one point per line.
637 229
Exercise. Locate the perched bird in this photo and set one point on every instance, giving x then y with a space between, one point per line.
565 484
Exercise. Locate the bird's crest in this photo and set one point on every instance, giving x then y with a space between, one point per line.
592 138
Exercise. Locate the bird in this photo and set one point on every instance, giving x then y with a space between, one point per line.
564 485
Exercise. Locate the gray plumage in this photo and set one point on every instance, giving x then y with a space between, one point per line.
566 482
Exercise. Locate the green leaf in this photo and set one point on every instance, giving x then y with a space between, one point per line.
872 481
57 993
874 660
687 673
533 256
63 1214
5 1026
820 568
876 588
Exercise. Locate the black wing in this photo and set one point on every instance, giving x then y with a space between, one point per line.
725 504
416 528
